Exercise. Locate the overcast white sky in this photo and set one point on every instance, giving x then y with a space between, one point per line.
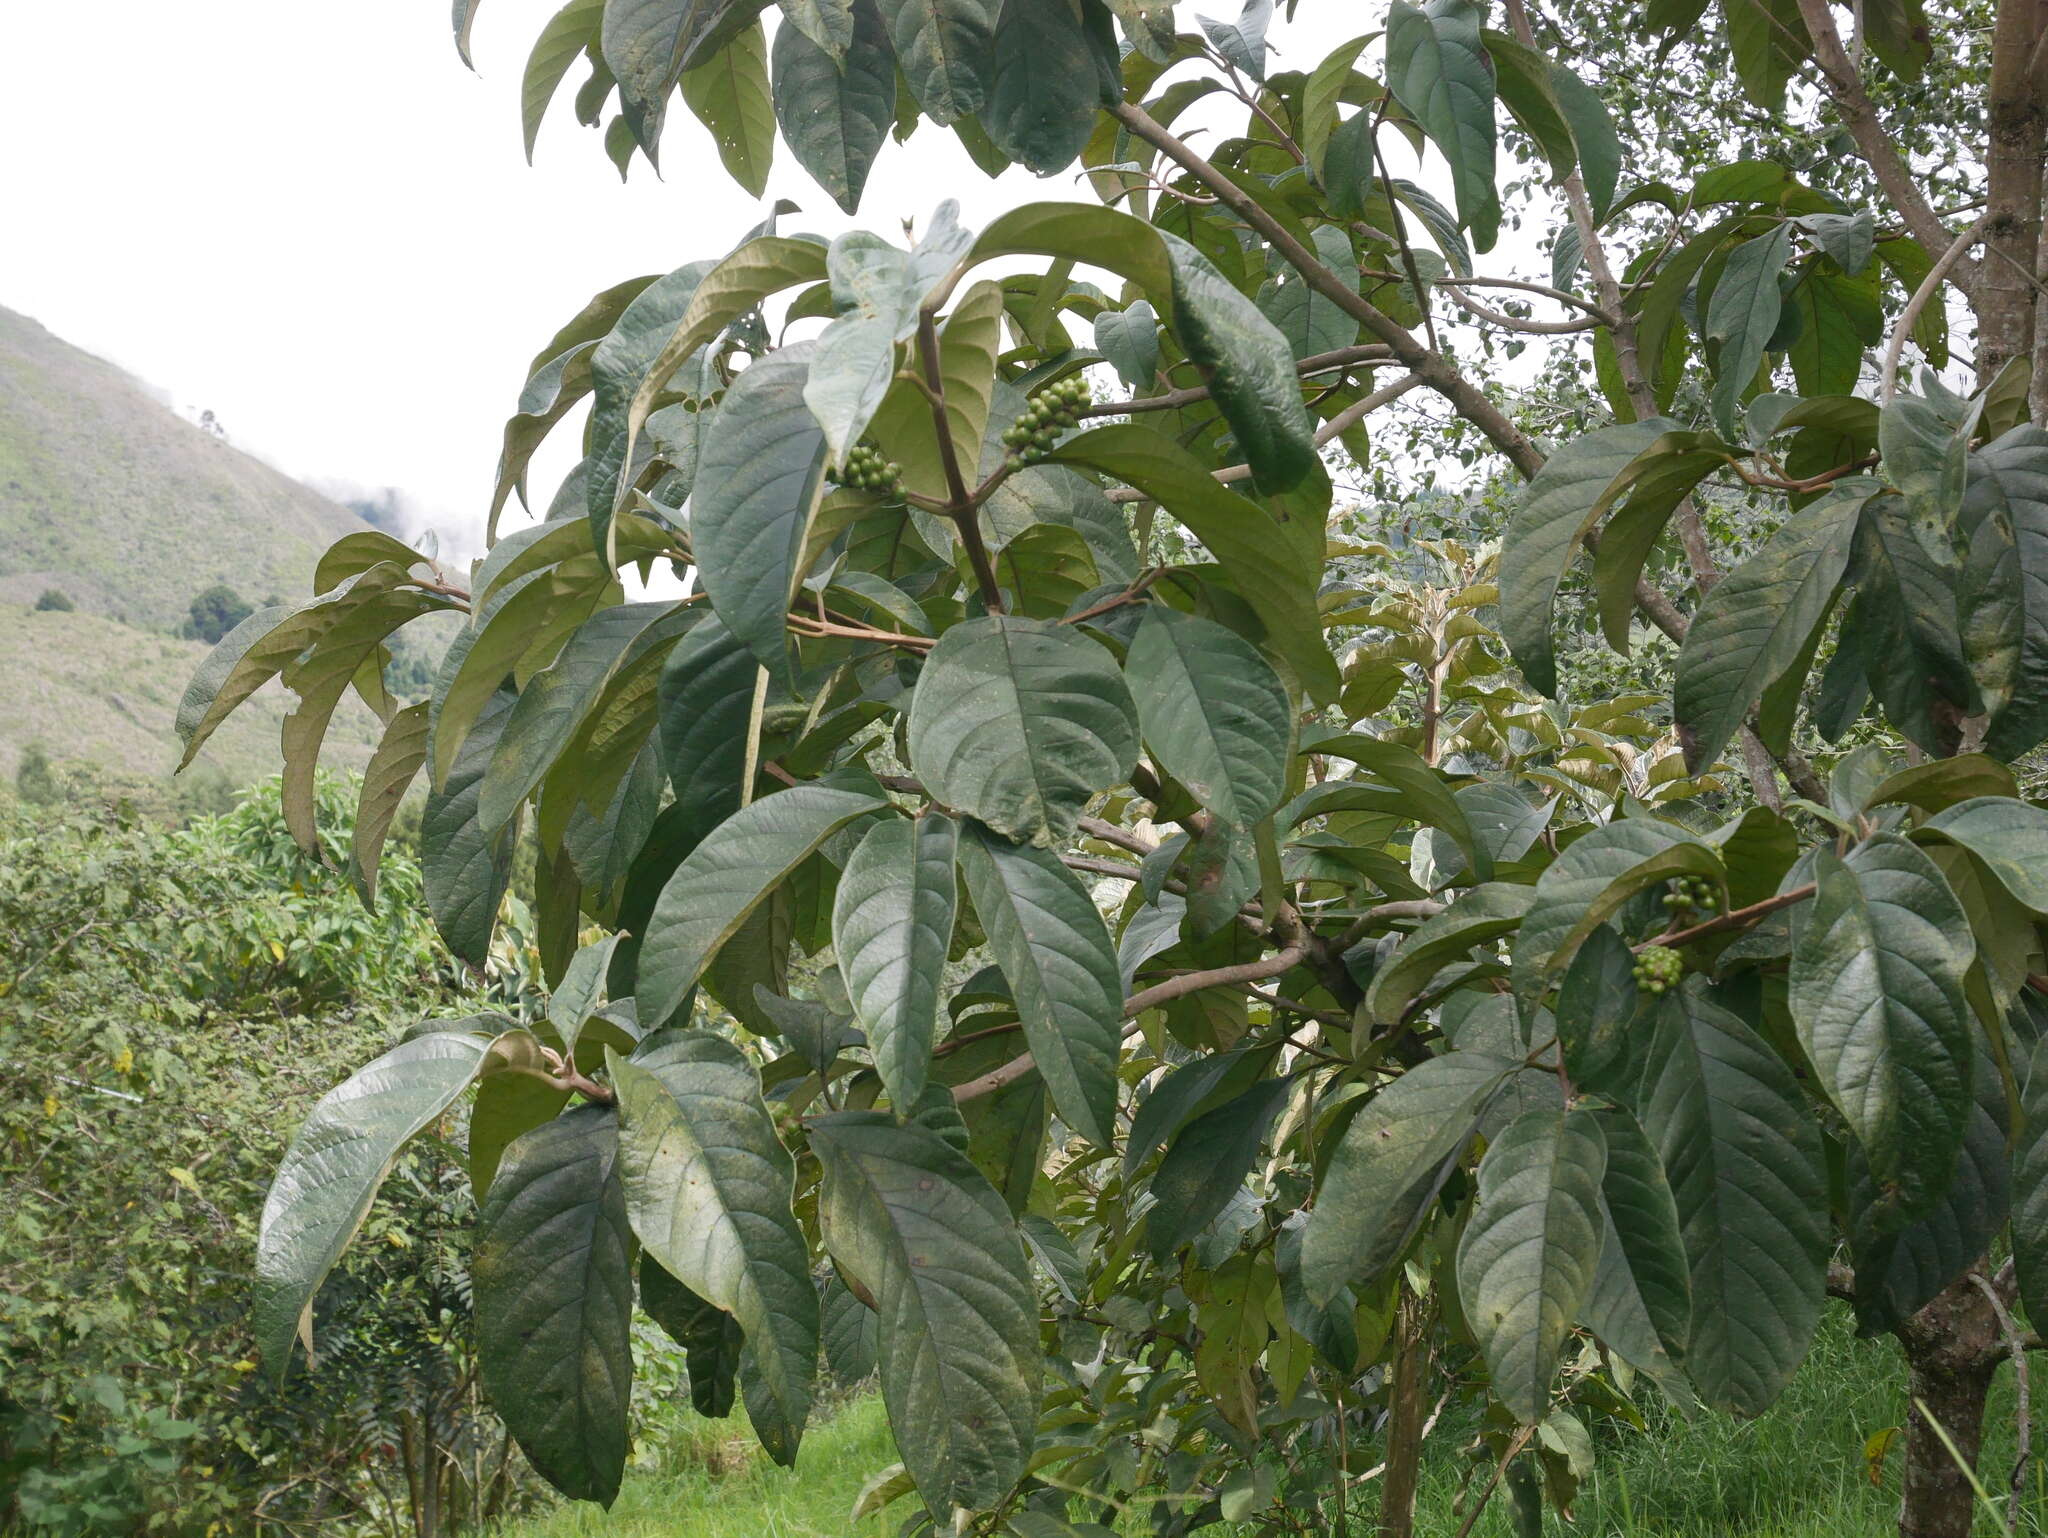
314 221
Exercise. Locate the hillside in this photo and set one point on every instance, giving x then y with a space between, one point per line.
111 497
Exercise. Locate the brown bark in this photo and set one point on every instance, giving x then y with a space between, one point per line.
1404 1421
1953 1348
2006 298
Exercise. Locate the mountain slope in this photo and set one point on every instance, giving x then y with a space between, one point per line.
112 498
109 497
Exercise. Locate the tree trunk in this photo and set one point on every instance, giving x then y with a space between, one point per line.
2018 130
1953 1347
1404 1420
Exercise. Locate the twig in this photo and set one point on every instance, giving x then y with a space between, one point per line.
1735 918
1519 1441
962 508
1888 376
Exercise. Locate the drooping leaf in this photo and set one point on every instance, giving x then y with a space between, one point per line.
1596 1004
835 112
892 925
915 1225
944 49
1744 1162
1055 952
1207 1164
465 867
553 1275
1742 316
710 1337
622 362
1438 68
649 44
2030 1187
728 91
1527 1258
2005 511
1213 711
708 1190
706 697
1392 1162
1641 1305
1479 917
725 878
337 1159
1877 996
1758 623
1042 88
1020 722
2009 835
573 29
400 753
758 488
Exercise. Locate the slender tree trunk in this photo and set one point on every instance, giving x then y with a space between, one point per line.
1953 1347
2006 299
1404 1421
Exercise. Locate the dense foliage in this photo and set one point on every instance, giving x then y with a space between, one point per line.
1224 985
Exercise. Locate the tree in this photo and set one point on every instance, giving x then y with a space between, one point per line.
1440 1024
54 601
215 611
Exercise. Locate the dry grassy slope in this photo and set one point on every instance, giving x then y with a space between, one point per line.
95 692
108 495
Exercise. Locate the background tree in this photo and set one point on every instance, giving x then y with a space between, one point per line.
1217 993
215 611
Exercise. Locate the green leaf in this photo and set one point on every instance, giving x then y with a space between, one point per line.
1055 952
2005 511
2009 836
573 29
944 49
708 1189
559 699
1020 722
914 1224
1207 1165
1243 42
1479 917
1899 1273
852 366
1758 624
710 1337
553 1276
830 24
729 94
1527 1257
1585 885
1769 42
1641 1305
1438 69
327 1178
1042 88
1742 316
1394 1158
622 364
1593 136
1214 712
2030 1188
1129 339
1596 1007
725 878
1926 454
581 991
1563 501
1877 996
1744 1161
892 925
707 691
1183 1093
1248 365
400 753
758 488
650 44
835 113
1837 318
968 345
1274 561
465 868
1312 322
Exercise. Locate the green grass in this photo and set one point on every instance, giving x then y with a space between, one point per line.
1795 1472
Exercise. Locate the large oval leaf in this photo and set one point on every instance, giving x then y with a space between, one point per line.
835 112
323 1186
1527 1257
1207 1164
1744 1161
909 1220
2008 835
465 867
1392 1162
2030 1188
1479 916
1020 722
708 1189
892 924
1438 68
1877 996
1043 89
724 879
943 47
553 1273
1641 1305
1214 711
1055 952
758 485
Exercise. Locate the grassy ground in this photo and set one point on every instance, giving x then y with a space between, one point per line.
1797 1472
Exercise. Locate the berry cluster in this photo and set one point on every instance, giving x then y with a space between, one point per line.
1689 894
1658 968
1048 414
866 470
